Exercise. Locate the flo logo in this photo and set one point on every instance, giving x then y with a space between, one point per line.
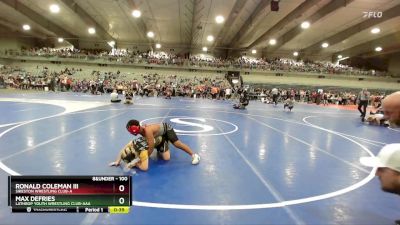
372 14
196 126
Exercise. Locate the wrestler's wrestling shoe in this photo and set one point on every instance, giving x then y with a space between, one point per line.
195 159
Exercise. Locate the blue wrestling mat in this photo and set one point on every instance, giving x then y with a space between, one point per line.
261 165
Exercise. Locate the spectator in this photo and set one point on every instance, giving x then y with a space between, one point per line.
275 95
2 83
387 163
114 97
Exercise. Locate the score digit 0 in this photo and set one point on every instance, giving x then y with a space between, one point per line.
121 200
121 188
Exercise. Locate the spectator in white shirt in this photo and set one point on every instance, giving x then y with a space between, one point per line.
114 97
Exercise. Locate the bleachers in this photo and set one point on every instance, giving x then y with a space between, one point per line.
130 72
162 59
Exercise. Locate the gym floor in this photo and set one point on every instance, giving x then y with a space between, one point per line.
261 165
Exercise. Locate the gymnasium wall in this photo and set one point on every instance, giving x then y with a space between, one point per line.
394 65
15 43
350 83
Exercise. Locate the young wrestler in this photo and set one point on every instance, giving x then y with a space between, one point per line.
289 103
165 130
243 101
135 153
128 97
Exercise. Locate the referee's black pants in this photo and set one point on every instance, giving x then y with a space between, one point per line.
363 104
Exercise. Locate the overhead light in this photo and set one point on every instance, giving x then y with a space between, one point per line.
339 56
325 45
54 8
272 41
295 53
136 13
254 51
205 49
60 40
375 30
26 27
219 19
378 49
210 38
158 45
305 25
150 34
91 30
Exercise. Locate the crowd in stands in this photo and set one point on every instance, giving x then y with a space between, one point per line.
215 87
15 77
105 82
281 64
162 58
316 96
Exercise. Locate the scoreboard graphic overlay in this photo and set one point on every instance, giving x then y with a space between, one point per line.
74 194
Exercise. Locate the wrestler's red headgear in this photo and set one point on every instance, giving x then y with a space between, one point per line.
134 130
133 126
